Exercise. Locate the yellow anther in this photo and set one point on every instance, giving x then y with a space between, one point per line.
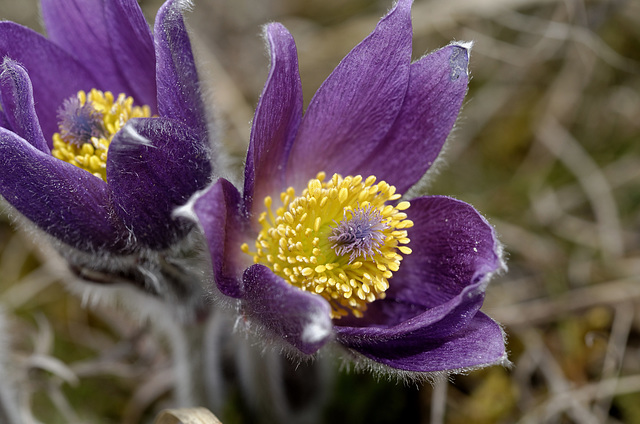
403 206
315 185
405 249
342 196
94 163
87 149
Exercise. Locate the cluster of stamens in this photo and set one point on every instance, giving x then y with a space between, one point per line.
338 239
87 124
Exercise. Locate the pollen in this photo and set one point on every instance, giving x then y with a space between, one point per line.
87 124
341 239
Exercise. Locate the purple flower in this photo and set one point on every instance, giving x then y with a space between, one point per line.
102 127
319 246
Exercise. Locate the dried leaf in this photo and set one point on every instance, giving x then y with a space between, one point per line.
187 416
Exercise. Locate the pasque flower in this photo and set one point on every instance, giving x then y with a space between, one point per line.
103 130
320 246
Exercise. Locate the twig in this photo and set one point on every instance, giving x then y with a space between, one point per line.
439 400
620 329
541 311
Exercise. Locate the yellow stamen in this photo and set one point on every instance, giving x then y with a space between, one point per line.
91 155
298 241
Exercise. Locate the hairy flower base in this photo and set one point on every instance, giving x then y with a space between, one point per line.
87 124
338 239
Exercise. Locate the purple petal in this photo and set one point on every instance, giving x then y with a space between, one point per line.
453 247
54 73
276 120
155 165
391 320
4 121
218 209
63 200
437 86
301 318
177 78
16 97
355 107
480 343
132 46
80 28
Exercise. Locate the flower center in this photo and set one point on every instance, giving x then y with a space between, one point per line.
87 124
360 234
338 239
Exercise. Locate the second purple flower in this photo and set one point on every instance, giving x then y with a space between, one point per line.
102 128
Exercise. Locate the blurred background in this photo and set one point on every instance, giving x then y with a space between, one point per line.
547 148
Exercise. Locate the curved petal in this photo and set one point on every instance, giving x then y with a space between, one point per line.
131 44
80 28
453 247
391 320
54 73
63 200
358 103
480 343
176 75
276 120
218 209
301 318
437 86
155 165
16 97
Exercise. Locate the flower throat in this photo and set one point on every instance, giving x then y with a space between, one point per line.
338 239
87 124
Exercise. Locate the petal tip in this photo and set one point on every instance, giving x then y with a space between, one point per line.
7 62
317 330
402 4
179 5
11 65
274 27
274 32
133 136
188 210
467 45
459 60
199 203
404 7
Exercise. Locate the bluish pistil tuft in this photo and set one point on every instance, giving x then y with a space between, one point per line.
79 122
359 235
